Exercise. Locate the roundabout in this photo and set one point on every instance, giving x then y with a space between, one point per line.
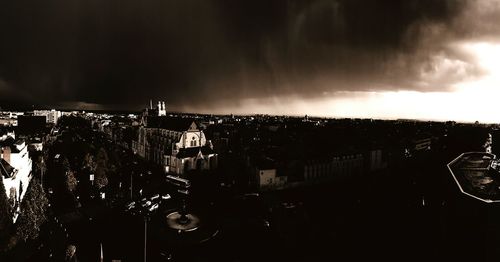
182 222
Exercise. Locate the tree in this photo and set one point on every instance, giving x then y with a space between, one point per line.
33 212
40 166
13 200
71 181
65 165
70 253
5 216
89 163
101 179
102 158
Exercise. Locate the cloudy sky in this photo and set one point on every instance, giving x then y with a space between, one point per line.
424 59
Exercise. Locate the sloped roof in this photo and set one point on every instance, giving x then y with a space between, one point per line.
193 151
6 169
170 123
9 141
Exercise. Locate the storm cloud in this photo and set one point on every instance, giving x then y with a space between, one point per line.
213 55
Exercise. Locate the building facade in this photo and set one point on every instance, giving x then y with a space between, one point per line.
177 144
334 167
52 116
15 169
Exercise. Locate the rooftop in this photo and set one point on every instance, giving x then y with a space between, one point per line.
6 169
193 151
477 175
170 123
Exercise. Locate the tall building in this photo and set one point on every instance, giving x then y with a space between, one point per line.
52 116
15 169
175 143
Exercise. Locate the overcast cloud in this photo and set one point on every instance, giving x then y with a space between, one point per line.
215 56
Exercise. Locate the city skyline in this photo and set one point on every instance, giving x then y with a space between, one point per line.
365 59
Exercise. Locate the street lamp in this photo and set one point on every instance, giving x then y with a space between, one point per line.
146 210
146 218
147 213
131 196
43 171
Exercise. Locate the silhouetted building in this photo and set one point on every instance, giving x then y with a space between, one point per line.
333 167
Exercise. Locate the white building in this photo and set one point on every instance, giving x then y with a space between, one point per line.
52 116
15 169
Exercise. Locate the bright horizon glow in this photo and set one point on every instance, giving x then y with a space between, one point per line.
472 100
469 101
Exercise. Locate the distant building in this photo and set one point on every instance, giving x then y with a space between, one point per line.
15 169
8 119
52 116
177 144
422 144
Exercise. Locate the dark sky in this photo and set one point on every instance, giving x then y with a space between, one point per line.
215 55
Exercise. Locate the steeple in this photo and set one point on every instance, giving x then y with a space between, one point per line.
161 108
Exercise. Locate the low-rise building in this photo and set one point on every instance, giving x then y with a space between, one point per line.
267 177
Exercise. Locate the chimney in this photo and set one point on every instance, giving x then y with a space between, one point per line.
6 154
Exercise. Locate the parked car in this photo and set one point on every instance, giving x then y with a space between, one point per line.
153 207
166 197
157 196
